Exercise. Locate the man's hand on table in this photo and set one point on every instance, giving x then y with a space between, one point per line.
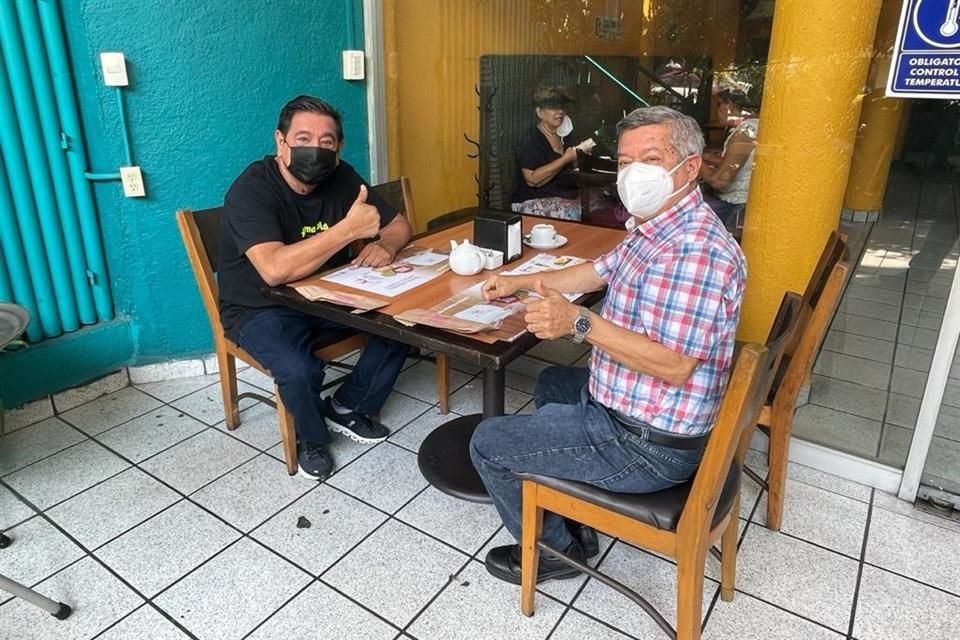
553 316
374 255
499 287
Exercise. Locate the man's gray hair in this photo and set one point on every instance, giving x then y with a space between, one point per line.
685 134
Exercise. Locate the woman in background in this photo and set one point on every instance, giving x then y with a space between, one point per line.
728 173
547 186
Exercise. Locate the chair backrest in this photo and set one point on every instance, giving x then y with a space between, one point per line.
820 300
749 384
200 231
398 195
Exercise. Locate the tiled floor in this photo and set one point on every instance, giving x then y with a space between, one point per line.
869 378
141 511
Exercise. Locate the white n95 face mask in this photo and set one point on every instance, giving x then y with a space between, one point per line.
644 188
566 127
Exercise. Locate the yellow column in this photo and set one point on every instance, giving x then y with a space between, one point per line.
816 70
879 120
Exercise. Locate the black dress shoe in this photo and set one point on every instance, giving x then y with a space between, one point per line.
586 535
504 563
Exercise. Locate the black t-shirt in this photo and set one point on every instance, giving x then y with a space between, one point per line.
535 153
261 207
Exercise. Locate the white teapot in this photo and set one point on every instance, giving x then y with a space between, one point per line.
466 259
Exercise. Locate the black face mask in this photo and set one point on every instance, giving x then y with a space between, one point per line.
312 165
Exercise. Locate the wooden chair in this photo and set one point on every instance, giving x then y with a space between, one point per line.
397 193
820 301
682 522
201 231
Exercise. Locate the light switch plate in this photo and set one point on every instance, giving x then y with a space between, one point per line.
353 65
132 179
114 67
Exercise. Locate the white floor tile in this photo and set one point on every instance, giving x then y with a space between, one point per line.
198 460
151 433
66 400
38 551
748 617
253 492
206 405
110 508
259 427
576 626
386 477
64 474
813 582
469 399
163 549
234 592
146 623
420 381
824 518
412 435
894 544
98 600
12 510
26 446
890 606
653 578
322 609
170 390
334 523
465 525
400 410
478 606
395 571
103 413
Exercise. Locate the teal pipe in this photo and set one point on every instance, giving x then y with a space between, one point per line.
24 212
26 109
124 127
53 35
13 262
616 80
101 177
50 134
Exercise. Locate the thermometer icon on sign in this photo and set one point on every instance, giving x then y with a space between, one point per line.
949 26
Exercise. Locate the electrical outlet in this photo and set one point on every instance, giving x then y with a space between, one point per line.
114 69
132 179
353 65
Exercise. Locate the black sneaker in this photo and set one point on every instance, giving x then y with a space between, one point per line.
315 461
355 426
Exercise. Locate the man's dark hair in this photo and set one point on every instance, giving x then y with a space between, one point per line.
313 105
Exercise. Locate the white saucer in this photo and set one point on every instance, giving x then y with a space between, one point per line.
558 241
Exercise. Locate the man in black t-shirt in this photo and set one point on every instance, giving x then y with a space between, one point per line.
285 217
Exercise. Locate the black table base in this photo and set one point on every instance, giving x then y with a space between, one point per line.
444 460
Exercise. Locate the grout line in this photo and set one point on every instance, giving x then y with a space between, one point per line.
863 555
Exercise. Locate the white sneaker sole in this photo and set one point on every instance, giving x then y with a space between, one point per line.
342 430
303 474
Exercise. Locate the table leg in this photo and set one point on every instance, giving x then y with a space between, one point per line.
494 384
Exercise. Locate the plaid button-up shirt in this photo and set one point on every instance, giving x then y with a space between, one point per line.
677 279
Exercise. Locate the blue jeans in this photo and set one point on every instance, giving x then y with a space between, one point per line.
282 340
570 436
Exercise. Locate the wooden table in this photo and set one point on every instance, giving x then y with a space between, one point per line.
584 241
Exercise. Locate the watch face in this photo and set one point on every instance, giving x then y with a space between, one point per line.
582 325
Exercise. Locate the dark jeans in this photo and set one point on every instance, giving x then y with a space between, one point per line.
570 436
283 340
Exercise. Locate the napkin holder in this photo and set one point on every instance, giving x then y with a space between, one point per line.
499 231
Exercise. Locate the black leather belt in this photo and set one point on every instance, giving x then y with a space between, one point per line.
663 438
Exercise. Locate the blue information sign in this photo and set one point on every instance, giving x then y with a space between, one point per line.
926 53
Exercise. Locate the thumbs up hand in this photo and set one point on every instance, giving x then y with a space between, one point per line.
363 219
552 316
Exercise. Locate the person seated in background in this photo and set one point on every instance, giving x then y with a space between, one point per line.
637 420
547 186
284 218
728 173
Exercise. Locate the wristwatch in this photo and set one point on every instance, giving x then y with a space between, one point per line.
582 325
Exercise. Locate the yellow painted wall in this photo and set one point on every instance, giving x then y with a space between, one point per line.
432 50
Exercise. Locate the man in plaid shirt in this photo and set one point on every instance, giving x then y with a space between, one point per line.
636 420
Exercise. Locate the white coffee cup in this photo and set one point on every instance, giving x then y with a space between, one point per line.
543 234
